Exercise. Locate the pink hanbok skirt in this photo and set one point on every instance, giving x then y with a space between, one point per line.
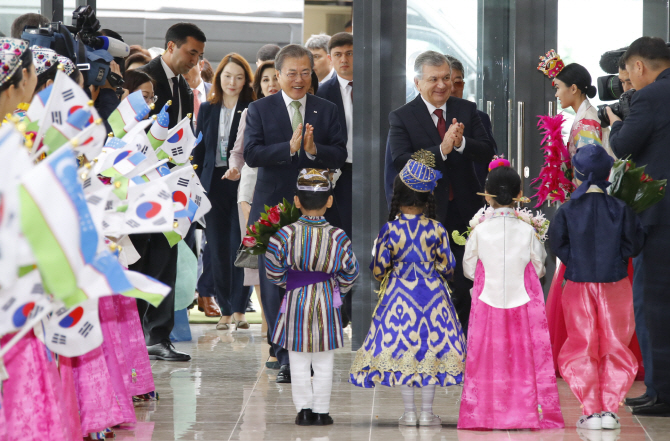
31 401
509 372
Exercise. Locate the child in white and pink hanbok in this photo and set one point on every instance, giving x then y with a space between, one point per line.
509 374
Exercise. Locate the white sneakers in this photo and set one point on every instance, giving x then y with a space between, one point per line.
408 419
425 419
597 421
610 420
428 419
592 422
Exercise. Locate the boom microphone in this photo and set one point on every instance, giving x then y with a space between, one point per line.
116 48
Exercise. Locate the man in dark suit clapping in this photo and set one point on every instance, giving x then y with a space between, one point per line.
645 136
451 129
286 132
184 45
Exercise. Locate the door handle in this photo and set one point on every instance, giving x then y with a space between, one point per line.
510 113
551 109
520 126
489 112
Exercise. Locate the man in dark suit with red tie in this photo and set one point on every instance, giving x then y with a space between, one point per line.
184 45
451 129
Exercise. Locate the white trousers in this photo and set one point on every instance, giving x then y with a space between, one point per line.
308 394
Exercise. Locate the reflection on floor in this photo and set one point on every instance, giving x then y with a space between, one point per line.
225 393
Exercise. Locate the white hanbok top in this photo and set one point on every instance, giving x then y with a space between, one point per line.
505 245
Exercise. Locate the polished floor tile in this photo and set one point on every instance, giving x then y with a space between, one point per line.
225 393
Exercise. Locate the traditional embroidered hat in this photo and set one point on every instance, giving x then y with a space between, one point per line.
499 161
68 65
313 179
43 58
11 50
551 64
419 174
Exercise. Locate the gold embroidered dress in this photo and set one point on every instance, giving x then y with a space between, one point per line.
415 337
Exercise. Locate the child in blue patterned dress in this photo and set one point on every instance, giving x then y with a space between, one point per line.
415 339
315 263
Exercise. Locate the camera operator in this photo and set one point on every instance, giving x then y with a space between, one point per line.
624 77
105 98
645 137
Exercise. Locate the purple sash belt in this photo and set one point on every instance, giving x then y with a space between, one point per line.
298 279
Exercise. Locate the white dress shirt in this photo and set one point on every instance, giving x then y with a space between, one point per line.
291 111
431 110
345 90
169 74
505 245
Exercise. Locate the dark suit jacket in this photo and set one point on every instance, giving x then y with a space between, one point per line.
164 91
204 155
412 129
266 146
645 136
330 90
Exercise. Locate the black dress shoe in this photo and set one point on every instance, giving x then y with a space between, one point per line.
284 375
322 419
305 418
642 400
165 351
655 410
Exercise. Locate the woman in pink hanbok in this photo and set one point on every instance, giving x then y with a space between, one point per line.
509 374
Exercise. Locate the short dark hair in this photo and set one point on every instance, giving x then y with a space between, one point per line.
340 39
315 82
267 52
135 78
651 49
181 31
49 74
313 200
258 76
293 51
137 57
455 64
621 63
504 183
29 19
112 34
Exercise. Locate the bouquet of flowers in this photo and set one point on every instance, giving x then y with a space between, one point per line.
633 186
555 178
537 221
275 218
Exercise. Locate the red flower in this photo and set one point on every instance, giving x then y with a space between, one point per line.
273 215
253 229
266 223
249 241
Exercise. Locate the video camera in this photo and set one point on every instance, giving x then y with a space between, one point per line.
80 42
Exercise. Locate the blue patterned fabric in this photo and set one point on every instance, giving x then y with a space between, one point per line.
415 337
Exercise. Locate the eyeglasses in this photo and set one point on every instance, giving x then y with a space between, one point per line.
294 75
150 99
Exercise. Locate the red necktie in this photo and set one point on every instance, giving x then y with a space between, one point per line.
441 124
351 84
442 130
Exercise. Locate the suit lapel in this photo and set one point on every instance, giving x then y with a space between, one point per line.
425 120
281 114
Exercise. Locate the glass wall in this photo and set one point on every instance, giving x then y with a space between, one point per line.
10 9
615 24
449 27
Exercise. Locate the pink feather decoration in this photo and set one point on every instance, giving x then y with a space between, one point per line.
553 183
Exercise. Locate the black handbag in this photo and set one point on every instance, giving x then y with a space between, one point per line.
245 260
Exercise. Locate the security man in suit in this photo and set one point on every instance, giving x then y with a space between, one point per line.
450 128
184 45
286 132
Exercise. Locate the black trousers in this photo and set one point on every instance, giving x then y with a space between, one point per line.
271 297
158 260
343 195
656 287
223 239
460 285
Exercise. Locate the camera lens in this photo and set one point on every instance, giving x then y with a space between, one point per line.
603 117
609 88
